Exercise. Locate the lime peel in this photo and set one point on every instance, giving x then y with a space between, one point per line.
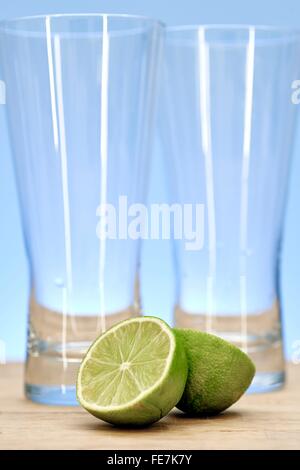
219 373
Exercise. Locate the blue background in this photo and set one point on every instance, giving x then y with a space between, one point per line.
157 273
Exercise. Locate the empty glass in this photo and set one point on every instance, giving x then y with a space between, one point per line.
227 135
80 94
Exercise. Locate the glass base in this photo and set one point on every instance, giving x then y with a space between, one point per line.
66 396
60 396
56 345
267 382
259 335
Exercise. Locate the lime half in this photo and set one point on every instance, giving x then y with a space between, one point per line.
134 373
219 373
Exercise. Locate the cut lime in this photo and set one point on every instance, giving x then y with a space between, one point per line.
134 373
219 373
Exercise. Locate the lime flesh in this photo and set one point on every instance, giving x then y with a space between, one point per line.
219 373
134 373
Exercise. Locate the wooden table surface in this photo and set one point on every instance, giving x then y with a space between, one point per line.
266 421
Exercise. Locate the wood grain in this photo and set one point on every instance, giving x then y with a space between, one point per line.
267 421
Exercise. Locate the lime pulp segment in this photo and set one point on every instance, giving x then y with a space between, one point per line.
125 363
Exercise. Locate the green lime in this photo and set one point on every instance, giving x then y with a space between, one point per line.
219 373
134 373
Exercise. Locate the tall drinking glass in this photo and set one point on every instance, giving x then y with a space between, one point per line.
80 93
227 136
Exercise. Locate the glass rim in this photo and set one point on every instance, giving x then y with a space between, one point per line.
285 33
6 24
